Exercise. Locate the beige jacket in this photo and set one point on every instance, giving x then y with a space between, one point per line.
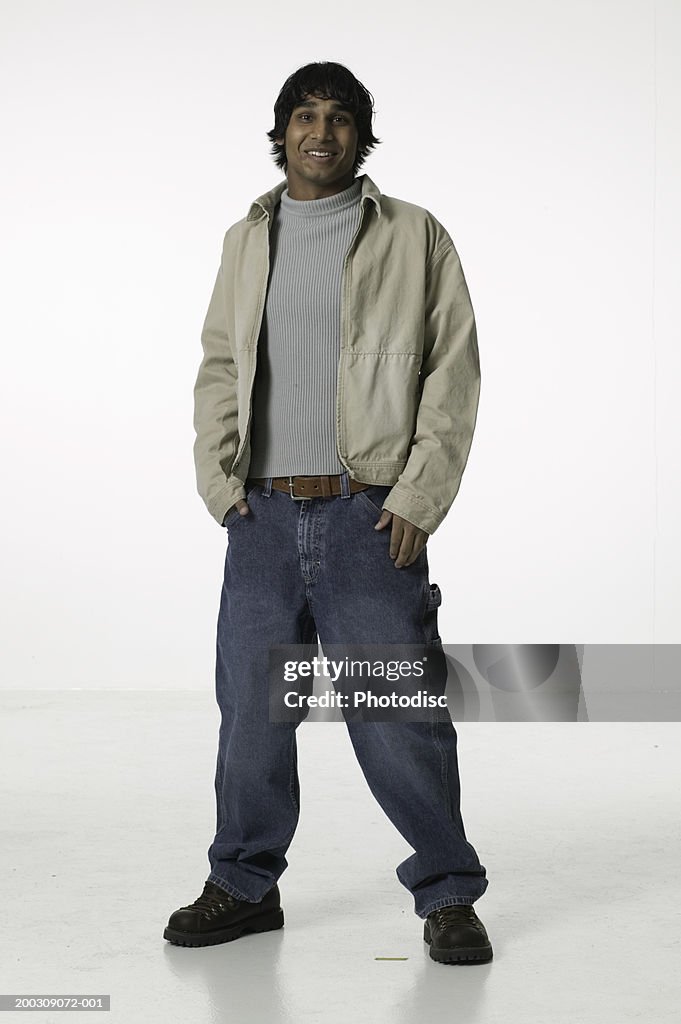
408 372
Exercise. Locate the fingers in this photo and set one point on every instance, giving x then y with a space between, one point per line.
406 542
244 508
401 546
386 516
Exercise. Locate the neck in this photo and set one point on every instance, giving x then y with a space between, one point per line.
305 190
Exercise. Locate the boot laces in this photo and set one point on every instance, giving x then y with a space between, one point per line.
213 900
456 914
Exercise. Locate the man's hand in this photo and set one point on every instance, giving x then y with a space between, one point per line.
241 505
406 540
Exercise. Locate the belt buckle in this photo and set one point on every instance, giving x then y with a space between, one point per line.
295 497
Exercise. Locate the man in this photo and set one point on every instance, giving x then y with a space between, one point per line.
334 411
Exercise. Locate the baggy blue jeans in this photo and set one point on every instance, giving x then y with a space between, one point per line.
299 571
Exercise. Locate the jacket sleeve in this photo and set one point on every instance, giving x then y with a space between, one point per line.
216 411
449 394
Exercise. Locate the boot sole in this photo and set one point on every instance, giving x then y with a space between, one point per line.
268 922
463 955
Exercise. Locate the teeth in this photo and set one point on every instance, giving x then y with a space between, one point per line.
317 152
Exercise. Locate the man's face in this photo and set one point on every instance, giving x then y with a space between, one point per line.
321 126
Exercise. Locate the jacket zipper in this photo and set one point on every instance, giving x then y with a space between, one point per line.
345 295
254 337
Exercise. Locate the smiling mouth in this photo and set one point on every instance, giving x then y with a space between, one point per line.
320 156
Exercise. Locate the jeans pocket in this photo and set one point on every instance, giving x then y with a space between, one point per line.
234 515
372 498
231 517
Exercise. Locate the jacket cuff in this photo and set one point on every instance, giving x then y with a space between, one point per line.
405 503
225 498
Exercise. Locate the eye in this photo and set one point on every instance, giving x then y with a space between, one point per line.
338 117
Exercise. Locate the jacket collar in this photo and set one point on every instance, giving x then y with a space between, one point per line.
265 204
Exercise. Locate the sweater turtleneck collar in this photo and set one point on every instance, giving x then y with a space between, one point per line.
328 204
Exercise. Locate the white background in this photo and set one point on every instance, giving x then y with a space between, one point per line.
543 136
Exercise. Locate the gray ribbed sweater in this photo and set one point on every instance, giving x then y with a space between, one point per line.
293 426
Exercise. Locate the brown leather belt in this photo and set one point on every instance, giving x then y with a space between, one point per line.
299 487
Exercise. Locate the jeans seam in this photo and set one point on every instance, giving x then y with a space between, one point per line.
444 772
221 789
291 782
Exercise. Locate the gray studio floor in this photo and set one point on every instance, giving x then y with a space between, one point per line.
107 812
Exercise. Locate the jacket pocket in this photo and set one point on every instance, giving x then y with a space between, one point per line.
379 402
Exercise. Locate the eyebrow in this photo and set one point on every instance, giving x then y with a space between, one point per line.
314 103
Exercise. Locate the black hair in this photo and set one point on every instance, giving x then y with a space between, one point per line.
326 80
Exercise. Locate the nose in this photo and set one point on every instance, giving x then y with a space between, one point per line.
321 132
